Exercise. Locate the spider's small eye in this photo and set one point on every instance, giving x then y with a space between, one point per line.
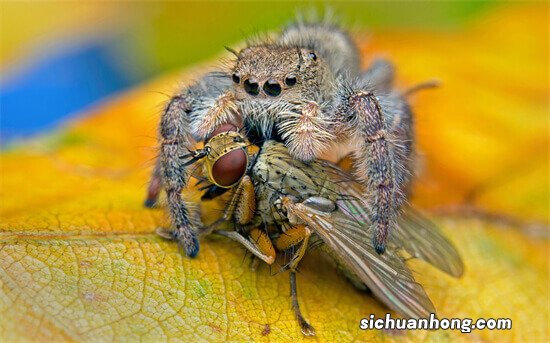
313 56
236 78
238 139
290 80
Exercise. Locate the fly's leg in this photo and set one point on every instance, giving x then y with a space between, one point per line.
301 251
296 234
306 328
262 241
245 207
381 157
291 237
254 264
241 206
259 244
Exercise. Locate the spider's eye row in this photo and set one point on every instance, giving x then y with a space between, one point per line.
313 56
290 80
236 78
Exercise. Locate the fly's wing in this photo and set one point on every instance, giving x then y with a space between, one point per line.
421 238
414 233
386 275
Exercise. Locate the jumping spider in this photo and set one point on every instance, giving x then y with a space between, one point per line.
304 89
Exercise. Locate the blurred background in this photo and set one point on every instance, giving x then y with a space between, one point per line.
59 58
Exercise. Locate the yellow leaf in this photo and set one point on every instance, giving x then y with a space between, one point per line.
79 260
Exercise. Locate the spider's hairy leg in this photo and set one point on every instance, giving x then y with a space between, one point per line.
200 102
155 186
214 104
184 113
381 156
380 75
175 142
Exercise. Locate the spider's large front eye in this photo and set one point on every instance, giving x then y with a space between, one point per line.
313 56
236 78
252 88
272 88
290 80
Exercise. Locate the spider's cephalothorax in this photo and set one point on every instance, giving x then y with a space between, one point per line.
304 89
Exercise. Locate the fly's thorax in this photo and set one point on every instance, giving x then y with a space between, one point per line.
227 158
276 174
306 179
276 170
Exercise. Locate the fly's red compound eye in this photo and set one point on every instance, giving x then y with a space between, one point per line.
229 168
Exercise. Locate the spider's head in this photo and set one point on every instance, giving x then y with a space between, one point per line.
278 73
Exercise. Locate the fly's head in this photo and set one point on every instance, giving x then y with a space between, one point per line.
225 156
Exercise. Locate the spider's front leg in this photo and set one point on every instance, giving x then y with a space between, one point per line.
155 186
176 141
382 126
188 117
207 104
